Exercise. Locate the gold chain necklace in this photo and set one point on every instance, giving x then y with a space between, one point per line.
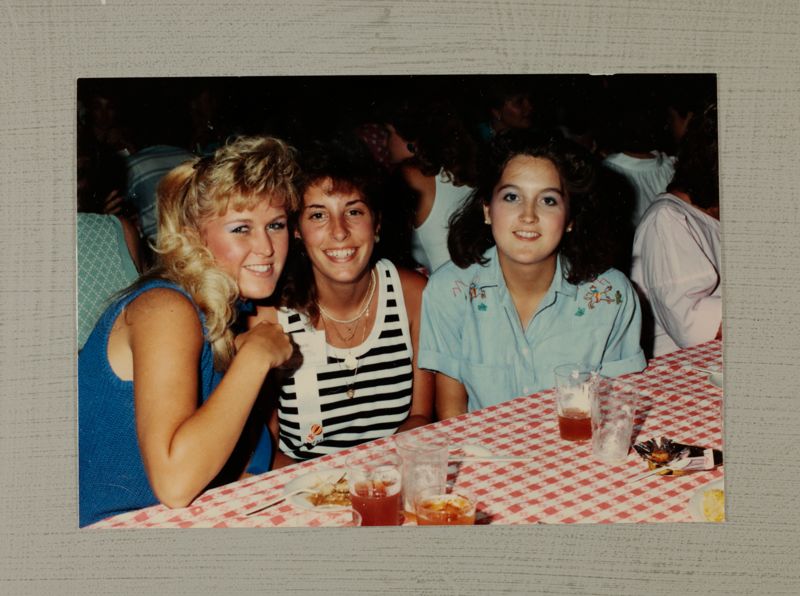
350 361
361 310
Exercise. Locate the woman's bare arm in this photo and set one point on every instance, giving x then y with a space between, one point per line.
451 397
184 447
421 411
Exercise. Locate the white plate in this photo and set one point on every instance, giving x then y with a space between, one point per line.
716 379
696 500
312 480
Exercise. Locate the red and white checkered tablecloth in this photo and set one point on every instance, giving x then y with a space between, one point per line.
561 483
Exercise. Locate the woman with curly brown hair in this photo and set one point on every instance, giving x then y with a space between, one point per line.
158 422
530 285
354 316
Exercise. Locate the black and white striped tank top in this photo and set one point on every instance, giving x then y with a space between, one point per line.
316 417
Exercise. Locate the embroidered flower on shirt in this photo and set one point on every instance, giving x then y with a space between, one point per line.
600 291
482 307
580 312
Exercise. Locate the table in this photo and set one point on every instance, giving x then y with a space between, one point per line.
561 483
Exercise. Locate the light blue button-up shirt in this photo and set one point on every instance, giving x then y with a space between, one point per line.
471 330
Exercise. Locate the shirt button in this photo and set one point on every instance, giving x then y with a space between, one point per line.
526 390
526 352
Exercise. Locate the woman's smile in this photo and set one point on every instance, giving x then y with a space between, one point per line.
338 232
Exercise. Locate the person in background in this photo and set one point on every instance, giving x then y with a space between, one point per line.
109 259
146 168
529 286
676 249
436 158
157 421
355 317
102 118
508 106
635 125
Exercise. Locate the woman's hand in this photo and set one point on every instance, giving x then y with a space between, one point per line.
266 343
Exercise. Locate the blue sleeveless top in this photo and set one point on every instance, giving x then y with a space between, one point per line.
111 473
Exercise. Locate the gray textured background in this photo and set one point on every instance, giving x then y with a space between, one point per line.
753 47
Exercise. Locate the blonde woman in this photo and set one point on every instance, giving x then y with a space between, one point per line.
158 422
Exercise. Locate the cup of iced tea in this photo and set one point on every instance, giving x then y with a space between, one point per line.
435 507
376 487
574 388
424 453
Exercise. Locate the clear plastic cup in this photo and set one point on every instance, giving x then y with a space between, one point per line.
574 384
613 415
424 453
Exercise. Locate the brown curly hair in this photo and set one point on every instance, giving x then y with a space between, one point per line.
591 246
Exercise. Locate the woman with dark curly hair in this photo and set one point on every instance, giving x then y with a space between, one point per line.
530 285
354 316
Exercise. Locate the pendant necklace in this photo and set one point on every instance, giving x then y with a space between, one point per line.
351 388
350 361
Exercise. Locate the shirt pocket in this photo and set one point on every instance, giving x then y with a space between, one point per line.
579 344
487 384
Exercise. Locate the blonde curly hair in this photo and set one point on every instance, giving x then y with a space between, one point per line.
237 176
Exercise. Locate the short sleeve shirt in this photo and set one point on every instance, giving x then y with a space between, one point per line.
471 330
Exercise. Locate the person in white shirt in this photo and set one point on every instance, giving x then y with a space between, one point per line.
676 249
648 173
636 126
437 160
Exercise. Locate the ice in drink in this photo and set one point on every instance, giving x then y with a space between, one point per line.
424 453
613 413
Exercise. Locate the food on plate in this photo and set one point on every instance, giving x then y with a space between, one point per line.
714 505
330 493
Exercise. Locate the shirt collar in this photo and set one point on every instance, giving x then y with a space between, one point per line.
559 283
